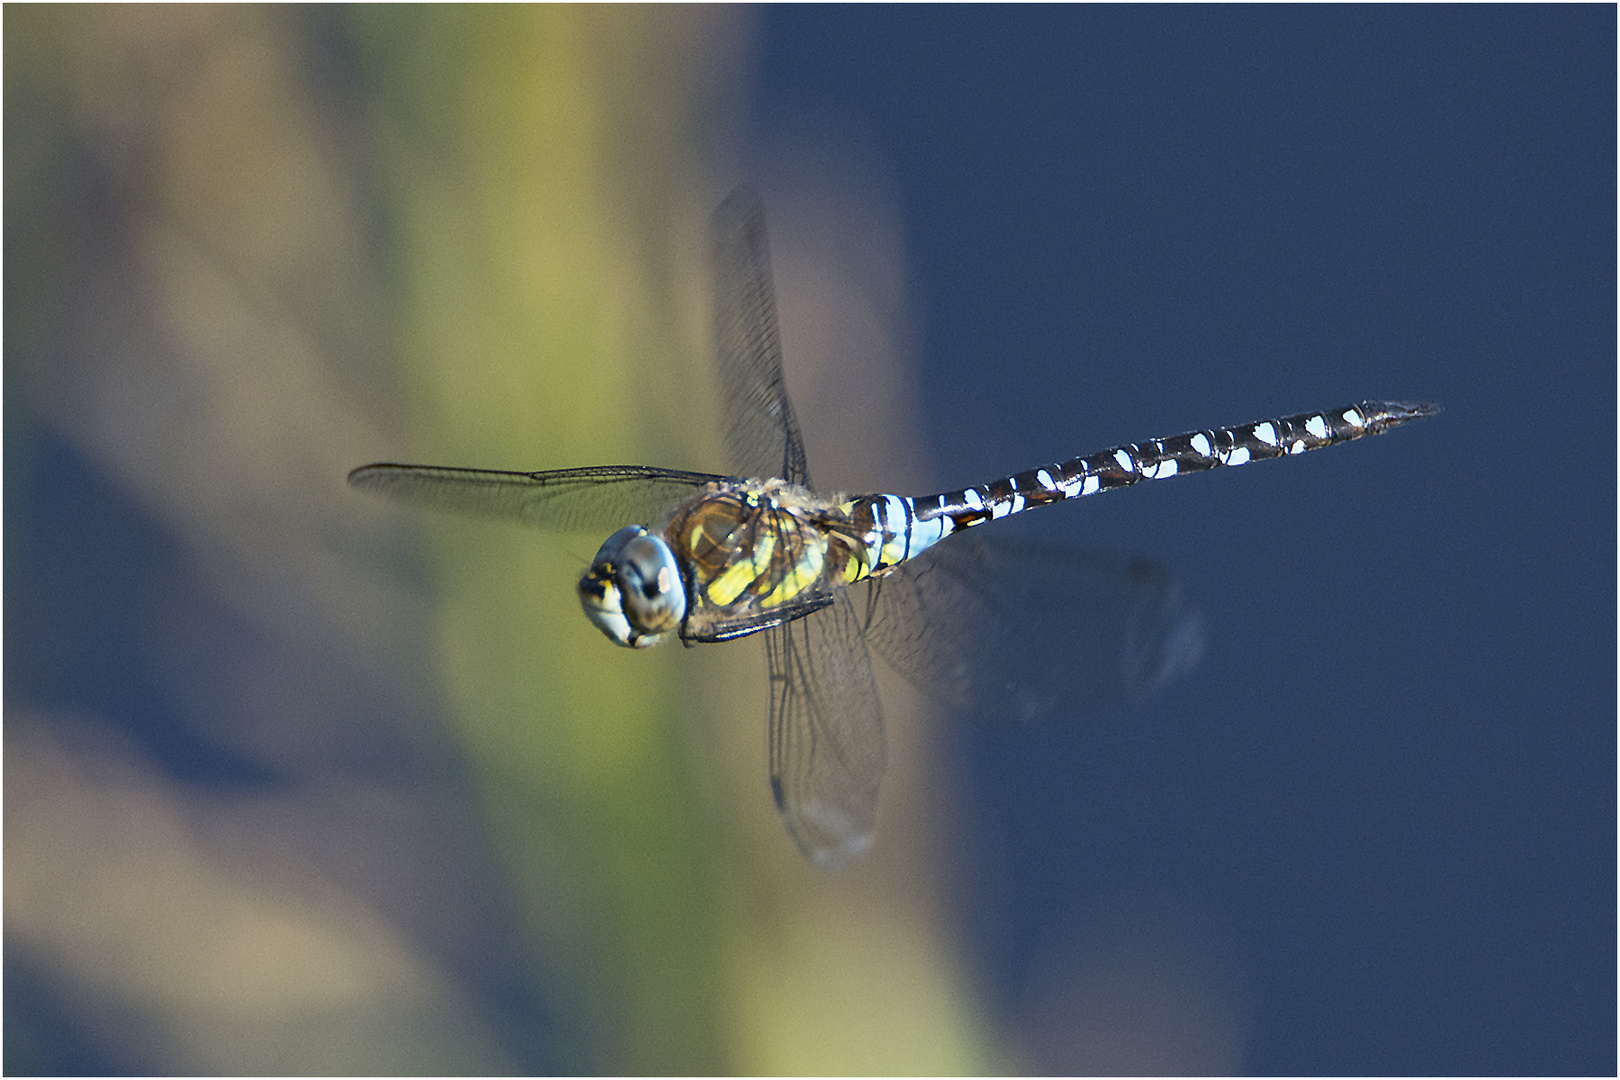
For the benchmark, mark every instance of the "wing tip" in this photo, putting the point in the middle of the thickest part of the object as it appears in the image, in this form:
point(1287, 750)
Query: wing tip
point(368, 475)
point(831, 839)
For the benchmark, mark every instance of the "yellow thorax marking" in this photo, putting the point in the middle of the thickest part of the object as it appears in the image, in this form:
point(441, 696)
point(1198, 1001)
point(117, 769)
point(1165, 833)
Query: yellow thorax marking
point(803, 574)
point(724, 589)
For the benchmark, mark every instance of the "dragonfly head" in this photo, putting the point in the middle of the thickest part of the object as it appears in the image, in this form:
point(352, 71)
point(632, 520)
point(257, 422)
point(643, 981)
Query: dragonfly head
point(633, 591)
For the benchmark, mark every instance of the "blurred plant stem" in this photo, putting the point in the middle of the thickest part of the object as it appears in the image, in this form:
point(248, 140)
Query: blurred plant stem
point(540, 172)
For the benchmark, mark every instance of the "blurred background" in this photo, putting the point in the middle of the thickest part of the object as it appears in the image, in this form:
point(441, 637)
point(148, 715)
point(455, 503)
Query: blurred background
point(297, 781)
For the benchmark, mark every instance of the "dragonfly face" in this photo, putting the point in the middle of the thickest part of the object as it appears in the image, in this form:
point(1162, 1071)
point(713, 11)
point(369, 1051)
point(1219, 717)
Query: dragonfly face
point(633, 591)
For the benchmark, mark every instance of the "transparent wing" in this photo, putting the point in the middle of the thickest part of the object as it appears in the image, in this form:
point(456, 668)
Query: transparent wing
point(826, 733)
point(599, 499)
point(762, 437)
point(826, 726)
point(1011, 628)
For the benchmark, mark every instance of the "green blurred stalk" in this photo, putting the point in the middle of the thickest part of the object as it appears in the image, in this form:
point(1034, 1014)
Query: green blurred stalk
point(540, 192)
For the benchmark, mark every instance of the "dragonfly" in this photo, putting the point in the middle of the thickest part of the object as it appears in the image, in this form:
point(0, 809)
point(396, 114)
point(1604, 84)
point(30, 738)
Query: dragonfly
point(986, 623)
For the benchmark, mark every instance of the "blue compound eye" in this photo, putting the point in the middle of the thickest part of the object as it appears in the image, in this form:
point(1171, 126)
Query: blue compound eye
point(633, 591)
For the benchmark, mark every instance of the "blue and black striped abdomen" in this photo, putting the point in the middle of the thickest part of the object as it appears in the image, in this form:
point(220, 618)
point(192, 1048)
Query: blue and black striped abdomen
point(1159, 459)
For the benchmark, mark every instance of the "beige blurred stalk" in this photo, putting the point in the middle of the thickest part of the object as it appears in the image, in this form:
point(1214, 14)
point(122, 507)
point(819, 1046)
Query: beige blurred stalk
point(254, 248)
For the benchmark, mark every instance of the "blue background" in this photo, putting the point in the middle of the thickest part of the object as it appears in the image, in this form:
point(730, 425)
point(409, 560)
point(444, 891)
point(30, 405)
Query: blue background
point(1390, 786)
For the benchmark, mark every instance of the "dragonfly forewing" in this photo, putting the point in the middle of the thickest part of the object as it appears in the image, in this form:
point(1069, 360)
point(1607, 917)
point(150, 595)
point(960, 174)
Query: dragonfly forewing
point(600, 499)
point(761, 435)
point(826, 724)
point(826, 733)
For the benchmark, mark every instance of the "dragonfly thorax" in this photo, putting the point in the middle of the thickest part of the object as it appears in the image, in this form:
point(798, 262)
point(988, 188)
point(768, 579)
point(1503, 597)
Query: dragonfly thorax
point(633, 591)
point(761, 552)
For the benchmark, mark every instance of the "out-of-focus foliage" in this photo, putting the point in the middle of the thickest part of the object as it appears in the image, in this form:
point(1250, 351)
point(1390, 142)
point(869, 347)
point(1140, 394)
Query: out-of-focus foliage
point(300, 782)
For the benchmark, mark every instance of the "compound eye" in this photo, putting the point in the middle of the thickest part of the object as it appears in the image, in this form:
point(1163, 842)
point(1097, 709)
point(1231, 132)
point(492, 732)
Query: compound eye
point(654, 599)
point(633, 591)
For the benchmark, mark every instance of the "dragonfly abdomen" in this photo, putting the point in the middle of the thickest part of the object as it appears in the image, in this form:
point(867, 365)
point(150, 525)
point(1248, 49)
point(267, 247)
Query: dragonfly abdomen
point(1160, 459)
